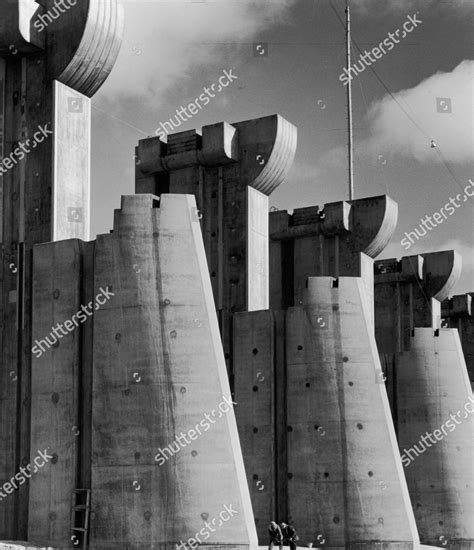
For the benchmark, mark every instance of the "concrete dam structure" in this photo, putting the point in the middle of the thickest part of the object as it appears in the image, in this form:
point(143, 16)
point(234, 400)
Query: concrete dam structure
point(208, 365)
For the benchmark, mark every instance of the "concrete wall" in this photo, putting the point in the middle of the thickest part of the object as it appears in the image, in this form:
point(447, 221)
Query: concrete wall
point(255, 394)
point(436, 437)
point(346, 484)
point(231, 169)
point(457, 313)
point(427, 381)
point(45, 192)
point(144, 368)
point(328, 241)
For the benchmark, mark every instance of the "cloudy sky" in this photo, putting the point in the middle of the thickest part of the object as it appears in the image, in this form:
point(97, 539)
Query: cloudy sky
point(420, 91)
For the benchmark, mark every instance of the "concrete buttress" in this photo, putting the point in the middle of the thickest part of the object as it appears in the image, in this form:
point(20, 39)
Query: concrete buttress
point(346, 482)
point(429, 388)
point(159, 467)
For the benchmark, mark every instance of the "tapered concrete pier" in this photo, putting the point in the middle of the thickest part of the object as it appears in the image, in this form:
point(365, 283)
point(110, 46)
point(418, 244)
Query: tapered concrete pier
point(155, 428)
point(429, 391)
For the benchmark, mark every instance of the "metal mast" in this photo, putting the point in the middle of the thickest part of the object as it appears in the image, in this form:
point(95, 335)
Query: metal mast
point(350, 144)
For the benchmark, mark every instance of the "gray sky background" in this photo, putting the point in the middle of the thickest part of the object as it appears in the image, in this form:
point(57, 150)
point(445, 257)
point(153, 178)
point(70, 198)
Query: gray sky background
point(172, 49)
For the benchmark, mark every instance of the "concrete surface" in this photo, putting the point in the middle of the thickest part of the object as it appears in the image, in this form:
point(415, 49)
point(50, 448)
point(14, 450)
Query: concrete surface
point(46, 197)
point(457, 312)
point(432, 392)
point(327, 242)
point(158, 369)
point(346, 482)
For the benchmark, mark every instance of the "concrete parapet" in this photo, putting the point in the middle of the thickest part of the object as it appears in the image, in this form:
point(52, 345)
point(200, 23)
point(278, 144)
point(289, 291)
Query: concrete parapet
point(327, 242)
point(231, 169)
point(408, 294)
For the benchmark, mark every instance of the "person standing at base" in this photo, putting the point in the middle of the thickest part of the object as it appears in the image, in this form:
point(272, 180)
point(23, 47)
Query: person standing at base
point(276, 536)
point(289, 534)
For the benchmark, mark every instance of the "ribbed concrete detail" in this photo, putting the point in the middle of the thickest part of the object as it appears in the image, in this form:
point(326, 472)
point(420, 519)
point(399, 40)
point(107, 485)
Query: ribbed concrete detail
point(434, 397)
point(276, 139)
point(98, 48)
point(342, 450)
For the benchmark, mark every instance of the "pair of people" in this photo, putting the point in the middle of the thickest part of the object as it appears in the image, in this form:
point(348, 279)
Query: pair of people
point(281, 533)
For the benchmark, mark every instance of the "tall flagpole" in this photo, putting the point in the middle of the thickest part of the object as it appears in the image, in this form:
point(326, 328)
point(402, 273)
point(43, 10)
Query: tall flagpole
point(350, 144)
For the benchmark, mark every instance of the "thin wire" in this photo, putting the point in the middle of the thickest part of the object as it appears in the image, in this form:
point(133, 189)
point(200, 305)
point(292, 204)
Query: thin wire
point(122, 121)
point(412, 118)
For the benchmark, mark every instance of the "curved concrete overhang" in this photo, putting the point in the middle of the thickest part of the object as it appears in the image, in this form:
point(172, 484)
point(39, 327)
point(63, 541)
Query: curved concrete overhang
point(80, 44)
point(97, 50)
point(372, 222)
point(435, 272)
point(441, 271)
point(264, 147)
point(367, 225)
point(267, 148)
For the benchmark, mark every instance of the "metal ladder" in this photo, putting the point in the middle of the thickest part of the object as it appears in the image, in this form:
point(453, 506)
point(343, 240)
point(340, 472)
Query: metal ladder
point(83, 508)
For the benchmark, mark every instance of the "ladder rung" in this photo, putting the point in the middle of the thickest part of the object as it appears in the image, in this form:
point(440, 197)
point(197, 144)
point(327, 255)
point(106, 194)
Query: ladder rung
point(81, 507)
point(79, 529)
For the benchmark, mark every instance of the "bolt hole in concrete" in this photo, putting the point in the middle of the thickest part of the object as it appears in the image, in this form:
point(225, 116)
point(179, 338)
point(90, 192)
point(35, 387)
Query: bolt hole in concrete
point(308, 384)
point(194, 453)
point(336, 519)
point(299, 348)
point(351, 383)
point(255, 430)
point(345, 359)
point(289, 429)
point(370, 474)
point(255, 388)
point(255, 477)
point(360, 426)
point(255, 351)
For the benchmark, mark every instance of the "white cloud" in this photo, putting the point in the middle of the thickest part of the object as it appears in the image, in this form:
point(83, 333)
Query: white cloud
point(167, 41)
point(398, 134)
